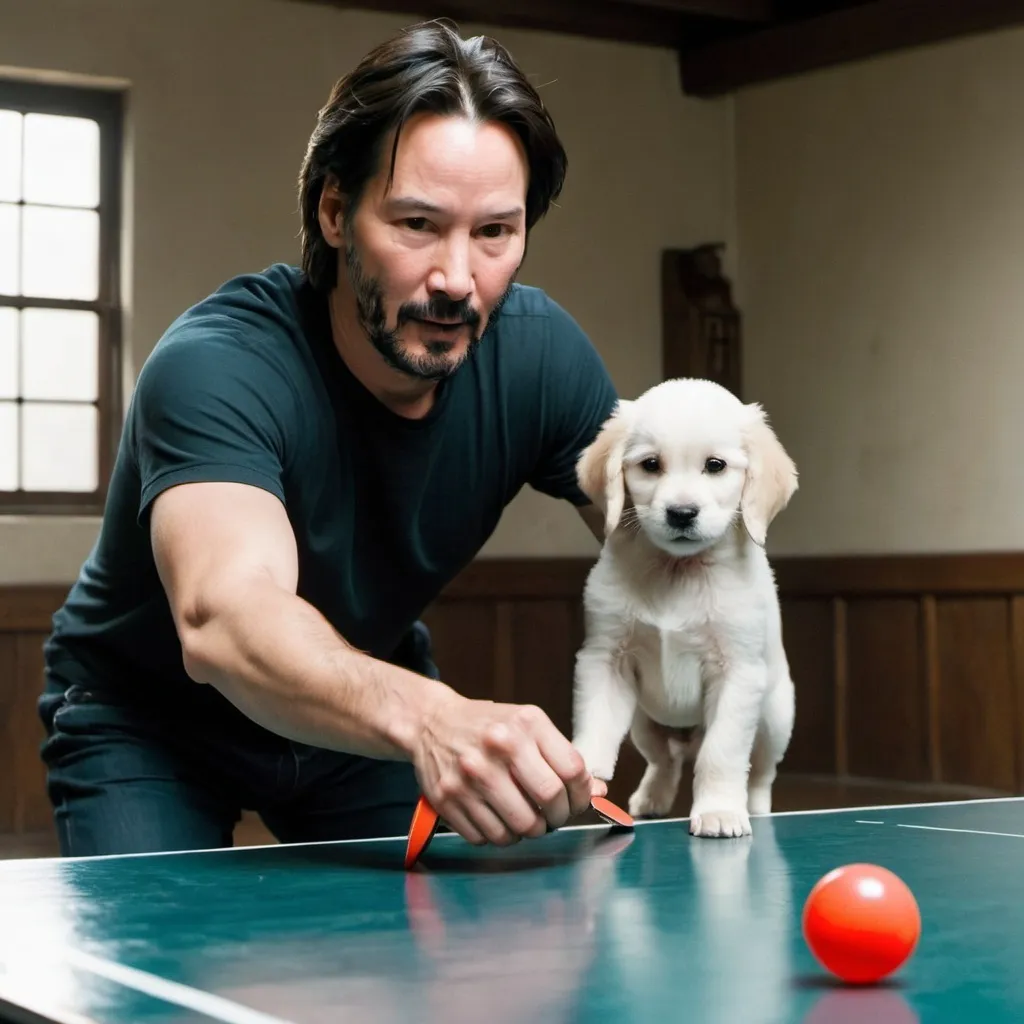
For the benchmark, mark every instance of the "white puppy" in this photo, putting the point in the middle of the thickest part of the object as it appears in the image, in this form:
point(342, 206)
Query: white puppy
point(683, 630)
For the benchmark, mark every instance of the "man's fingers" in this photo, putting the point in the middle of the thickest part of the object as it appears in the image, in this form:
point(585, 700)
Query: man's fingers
point(489, 823)
point(541, 784)
point(490, 779)
point(457, 820)
point(554, 749)
point(567, 763)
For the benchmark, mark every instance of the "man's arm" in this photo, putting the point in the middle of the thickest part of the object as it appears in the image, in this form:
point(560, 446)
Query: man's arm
point(227, 558)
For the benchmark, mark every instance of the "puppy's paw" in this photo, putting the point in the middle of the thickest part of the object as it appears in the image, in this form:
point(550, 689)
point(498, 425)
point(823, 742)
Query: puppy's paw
point(599, 757)
point(721, 824)
point(654, 796)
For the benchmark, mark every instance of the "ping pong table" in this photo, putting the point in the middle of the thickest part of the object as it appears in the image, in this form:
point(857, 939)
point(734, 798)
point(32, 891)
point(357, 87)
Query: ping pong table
point(587, 924)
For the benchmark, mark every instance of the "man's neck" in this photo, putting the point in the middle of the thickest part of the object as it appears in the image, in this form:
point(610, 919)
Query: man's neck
point(403, 395)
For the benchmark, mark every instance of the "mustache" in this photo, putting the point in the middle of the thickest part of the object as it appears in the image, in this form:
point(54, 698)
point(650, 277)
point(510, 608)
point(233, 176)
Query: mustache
point(440, 307)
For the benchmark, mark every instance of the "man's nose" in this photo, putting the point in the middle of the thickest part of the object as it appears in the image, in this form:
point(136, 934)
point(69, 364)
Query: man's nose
point(453, 275)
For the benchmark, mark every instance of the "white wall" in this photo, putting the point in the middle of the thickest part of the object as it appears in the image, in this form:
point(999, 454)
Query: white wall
point(880, 214)
point(223, 98)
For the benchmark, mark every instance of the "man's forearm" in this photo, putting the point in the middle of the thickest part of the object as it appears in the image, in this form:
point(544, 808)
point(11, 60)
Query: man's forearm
point(281, 663)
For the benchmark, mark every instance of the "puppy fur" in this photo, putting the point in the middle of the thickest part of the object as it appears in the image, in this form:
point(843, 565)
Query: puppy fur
point(683, 646)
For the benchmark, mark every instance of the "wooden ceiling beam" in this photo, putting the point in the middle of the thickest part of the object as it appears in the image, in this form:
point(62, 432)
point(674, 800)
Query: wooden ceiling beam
point(725, 10)
point(662, 23)
point(853, 34)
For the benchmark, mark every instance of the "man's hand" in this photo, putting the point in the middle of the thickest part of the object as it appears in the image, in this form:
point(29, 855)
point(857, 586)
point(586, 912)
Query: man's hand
point(499, 772)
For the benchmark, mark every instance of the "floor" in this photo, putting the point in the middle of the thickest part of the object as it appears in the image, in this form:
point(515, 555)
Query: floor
point(792, 793)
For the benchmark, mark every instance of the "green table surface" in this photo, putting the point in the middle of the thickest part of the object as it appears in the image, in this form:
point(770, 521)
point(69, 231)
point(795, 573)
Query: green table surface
point(587, 925)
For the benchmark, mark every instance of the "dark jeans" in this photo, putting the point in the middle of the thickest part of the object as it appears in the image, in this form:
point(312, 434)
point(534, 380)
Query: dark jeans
point(127, 775)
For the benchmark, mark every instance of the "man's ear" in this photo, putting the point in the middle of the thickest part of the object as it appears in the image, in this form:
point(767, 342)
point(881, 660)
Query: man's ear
point(599, 467)
point(330, 213)
point(771, 476)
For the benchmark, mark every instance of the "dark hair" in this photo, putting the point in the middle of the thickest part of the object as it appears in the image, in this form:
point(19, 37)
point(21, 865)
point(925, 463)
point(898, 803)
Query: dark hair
point(427, 67)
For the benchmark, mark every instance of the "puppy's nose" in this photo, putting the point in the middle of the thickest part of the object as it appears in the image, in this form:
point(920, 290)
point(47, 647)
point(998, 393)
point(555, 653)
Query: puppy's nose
point(679, 517)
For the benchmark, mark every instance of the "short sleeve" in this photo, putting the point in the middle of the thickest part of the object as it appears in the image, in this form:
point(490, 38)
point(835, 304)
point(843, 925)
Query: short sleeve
point(578, 396)
point(209, 407)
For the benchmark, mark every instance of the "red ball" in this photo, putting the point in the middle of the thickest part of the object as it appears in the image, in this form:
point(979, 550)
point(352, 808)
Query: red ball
point(861, 922)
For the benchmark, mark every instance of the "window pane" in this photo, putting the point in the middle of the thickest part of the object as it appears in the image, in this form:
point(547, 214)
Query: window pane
point(8, 352)
point(61, 253)
point(59, 354)
point(59, 447)
point(10, 247)
point(62, 160)
point(10, 155)
point(8, 446)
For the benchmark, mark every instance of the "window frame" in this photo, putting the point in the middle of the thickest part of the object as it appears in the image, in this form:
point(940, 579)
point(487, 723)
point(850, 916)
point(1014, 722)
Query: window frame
point(106, 106)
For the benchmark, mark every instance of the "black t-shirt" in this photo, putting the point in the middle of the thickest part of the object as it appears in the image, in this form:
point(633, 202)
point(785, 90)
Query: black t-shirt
point(247, 386)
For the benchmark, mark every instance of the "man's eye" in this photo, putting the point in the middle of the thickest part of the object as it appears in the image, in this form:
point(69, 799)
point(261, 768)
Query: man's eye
point(416, 223)
point(494, 230)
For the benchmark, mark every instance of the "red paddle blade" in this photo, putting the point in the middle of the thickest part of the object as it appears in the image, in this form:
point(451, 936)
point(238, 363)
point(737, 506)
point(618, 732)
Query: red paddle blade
point(424, 824)
point(608, 811)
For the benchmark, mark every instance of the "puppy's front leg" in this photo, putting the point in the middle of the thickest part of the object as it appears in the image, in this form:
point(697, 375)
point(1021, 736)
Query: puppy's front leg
point(732, 707)
point(604, 701)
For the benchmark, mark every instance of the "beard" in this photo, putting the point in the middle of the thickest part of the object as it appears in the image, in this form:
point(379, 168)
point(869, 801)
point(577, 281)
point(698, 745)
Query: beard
point(438, 361)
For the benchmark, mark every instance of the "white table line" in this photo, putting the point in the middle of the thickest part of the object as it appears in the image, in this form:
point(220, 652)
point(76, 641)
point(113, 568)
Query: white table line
point(861, 821)
point(971, 831)
point(171, 991)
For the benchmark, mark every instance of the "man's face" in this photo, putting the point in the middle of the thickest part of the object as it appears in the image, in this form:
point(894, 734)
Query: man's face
point(433, 257)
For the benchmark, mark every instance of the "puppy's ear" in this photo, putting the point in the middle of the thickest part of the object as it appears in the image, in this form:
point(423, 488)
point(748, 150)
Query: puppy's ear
point(771, 476)
point(599, 467)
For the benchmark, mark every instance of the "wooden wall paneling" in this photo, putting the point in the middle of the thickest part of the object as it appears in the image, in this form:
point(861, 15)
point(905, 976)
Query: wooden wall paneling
point(978, 733)
point(464, 635)
point(24, 806)
point(932, 674)
point(10, 725)
point(1016, 611)
point(545, 635)
point(907, 668)
point(504, 684)
point(808, 633)
point(841, 674)
point(33, 811)
point(936, 643)
point(886, 724)
point(968, 574)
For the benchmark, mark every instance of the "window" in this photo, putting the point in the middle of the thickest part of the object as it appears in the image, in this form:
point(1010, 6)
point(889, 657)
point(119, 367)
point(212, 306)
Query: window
point(60, 303)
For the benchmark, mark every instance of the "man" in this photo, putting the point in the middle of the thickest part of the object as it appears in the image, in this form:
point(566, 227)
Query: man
point(310, 455)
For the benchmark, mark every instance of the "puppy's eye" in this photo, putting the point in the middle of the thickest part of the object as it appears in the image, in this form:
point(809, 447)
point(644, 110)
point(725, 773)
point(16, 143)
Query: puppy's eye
point(650, 465)
point(714, 465)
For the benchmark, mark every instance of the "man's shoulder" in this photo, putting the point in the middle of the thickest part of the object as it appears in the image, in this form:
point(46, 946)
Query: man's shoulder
point(253, 323)
point(525, 300)
point(526, 303)
point(262, 302)
point(532, 325)
point(241, 346)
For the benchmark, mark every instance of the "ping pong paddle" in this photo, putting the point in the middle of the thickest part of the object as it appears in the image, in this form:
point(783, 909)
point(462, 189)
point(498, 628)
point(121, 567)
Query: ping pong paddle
point(610, 812)
point(425, 822)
